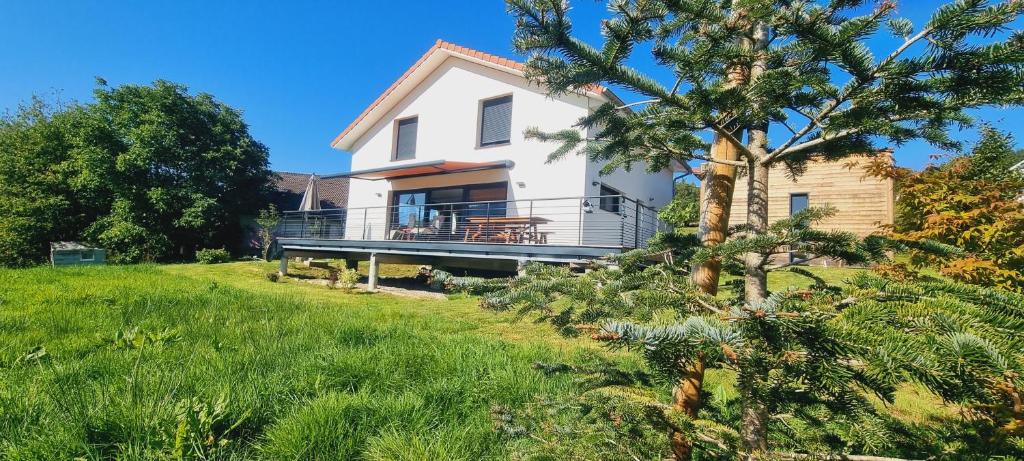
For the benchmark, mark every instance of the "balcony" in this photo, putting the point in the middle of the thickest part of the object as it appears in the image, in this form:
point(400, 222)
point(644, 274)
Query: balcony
point(572, 229)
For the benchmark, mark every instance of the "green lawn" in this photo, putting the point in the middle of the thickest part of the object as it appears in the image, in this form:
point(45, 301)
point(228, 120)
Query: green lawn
point(146, 362)
point(217, 362)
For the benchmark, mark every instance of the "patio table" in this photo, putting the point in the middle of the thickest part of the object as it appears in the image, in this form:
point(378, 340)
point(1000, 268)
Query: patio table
point(511, 229)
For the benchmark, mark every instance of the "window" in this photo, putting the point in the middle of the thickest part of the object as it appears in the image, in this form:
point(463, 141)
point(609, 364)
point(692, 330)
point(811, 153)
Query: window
point(413, 208)
point(496, 121)
point(87, 255)
point(798, 203)
point(611, 199)
point(405, 138)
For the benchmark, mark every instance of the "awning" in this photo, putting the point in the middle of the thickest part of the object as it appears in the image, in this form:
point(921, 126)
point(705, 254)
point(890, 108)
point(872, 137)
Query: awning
point(432, 167)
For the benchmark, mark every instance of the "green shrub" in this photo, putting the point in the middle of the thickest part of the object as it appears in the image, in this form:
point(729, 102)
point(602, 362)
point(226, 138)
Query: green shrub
point(347, 279)
point(213, 256)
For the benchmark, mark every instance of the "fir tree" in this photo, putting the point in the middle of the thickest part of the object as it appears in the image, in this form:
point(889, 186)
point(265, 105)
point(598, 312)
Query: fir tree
point(799, 68)
point(744, 67)
point(813, 358)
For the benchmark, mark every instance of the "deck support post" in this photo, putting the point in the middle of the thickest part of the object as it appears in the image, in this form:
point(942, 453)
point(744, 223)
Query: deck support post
point(371, 283)
point(521, 267)
point(282, 267)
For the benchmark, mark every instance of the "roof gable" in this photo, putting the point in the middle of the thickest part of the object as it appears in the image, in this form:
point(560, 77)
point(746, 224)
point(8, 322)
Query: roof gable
point(419, 72)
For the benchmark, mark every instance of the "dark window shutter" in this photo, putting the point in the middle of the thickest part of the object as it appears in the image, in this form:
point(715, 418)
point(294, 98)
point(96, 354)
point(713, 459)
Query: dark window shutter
point(496, 121)
point(405, 145)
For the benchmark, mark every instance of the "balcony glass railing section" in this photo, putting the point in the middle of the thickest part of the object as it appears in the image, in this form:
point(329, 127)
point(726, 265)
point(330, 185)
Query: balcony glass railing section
point(607, 221)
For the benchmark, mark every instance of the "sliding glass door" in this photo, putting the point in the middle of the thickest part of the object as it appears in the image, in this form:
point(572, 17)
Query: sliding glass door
point(440, 213)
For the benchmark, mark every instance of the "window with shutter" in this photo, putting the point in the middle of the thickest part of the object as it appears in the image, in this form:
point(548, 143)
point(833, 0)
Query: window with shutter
point(496, 121)
point(405, 138)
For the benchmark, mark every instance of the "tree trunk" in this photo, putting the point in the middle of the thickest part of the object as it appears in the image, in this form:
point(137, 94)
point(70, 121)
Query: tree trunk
point(755, 428)
point(755, 287)
point(755, 413)
point(686, 398)
point(719, 179)
point(716, 202)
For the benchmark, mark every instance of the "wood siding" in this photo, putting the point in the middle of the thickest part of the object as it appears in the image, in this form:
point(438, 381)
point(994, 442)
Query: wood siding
point(863, 203)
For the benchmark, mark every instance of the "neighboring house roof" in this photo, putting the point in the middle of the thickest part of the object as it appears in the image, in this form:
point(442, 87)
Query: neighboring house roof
point(57, 246)
point(419, 71)
point(1018, 166)
point(290, 187)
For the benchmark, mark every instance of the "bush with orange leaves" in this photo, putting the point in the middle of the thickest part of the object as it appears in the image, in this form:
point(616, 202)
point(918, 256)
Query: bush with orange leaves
point(973, 202)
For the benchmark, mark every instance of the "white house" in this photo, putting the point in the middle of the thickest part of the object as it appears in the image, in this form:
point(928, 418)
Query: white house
point(440, 163)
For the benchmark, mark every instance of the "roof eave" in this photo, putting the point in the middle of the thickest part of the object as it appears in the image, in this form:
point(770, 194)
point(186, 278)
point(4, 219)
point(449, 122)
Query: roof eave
point(427, 63)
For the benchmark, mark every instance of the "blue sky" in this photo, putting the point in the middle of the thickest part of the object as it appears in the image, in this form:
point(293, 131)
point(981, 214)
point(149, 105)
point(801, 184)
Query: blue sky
point(300, 71)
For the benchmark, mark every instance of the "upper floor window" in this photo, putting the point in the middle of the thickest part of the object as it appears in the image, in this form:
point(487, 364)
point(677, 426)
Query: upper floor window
point(496, 121)
point(405, 138)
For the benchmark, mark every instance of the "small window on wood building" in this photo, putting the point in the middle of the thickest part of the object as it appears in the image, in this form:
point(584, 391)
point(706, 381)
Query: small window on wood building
point(798, 203)
point(496, 121)
point(405, 138)
point(611, 199)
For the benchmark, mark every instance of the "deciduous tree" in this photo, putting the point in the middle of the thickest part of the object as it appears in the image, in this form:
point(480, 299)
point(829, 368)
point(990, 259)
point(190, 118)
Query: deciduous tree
point(150, 172)
point(684, 209)
point(972, 202)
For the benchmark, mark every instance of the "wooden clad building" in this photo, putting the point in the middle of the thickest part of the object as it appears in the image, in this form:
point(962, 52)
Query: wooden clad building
point(863, 202)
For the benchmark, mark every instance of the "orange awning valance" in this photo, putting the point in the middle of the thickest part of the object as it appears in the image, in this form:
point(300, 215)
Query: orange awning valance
point(432, 167)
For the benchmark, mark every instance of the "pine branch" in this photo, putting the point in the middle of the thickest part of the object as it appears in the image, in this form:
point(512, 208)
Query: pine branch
point(830, 457)
point(819, 118)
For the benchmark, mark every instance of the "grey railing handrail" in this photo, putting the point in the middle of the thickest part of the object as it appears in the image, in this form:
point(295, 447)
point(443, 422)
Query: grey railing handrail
point(584, 197)
point(562, 218)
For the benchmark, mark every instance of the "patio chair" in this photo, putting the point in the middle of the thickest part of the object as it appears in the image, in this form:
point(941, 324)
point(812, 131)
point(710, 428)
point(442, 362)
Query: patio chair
point(433, 228)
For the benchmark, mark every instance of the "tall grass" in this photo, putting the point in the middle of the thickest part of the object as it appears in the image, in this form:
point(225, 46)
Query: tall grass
point(215, 362)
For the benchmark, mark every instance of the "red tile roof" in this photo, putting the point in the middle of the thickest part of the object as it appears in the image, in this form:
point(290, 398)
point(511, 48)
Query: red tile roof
point(441, 44)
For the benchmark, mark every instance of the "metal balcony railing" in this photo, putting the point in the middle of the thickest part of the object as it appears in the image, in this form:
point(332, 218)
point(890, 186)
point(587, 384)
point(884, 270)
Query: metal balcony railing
point(613, 221)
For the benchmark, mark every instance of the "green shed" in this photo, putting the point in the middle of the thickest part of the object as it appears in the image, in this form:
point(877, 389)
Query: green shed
point(68, 253)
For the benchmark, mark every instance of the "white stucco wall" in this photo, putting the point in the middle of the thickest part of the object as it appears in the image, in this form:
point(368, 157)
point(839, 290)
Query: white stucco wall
point(653, 190)
point(447, 105)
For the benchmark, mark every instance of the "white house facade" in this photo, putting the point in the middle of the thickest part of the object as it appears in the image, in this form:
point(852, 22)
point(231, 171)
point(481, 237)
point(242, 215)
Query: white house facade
point(441, 157)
